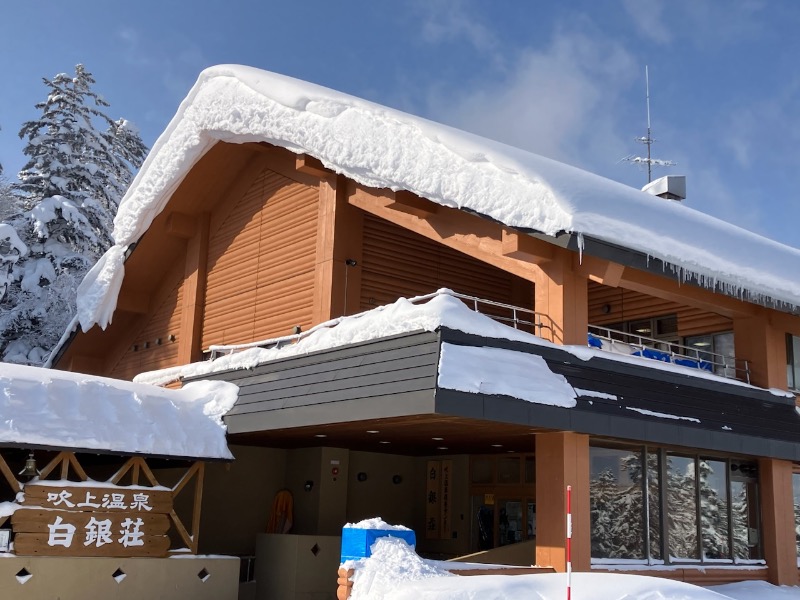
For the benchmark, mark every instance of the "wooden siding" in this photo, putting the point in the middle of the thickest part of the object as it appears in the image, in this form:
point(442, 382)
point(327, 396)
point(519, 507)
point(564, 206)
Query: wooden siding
point(627, 305)
point(149, 354)
point(391, 367)
point(400, 263)
point(261, 263)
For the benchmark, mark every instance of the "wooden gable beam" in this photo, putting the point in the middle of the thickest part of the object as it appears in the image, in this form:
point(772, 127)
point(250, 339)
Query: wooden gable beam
point(413, 205)
point(524, 247)
point(311, 166)
point(686, 294)
point(600, 271)
point(467, 233)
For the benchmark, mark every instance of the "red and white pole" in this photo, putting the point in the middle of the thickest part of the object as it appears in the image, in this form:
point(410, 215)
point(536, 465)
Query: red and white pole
point(569, 542)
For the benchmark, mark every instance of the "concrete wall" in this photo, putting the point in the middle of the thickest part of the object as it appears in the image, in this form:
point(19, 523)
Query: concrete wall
point(237, 498)
point(378, 496)
point(296, 567)
point(191, 578)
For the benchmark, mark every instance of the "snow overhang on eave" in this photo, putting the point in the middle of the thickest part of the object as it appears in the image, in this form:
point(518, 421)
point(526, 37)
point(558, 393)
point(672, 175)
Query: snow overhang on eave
point(587, 245)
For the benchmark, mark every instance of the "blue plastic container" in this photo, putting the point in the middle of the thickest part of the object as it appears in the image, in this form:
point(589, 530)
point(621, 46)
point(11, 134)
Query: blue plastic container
point(357, 543)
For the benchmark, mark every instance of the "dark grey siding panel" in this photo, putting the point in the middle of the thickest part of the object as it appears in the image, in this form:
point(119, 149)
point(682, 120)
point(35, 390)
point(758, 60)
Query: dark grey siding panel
point(650, 405)
point(295, 389)
point(377, 407)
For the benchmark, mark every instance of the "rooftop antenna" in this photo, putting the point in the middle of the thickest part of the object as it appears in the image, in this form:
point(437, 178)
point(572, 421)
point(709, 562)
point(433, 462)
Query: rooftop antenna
point(648, 140)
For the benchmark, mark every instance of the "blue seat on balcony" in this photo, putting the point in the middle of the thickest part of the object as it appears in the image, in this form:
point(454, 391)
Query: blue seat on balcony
point(653, 354)
point(595, 342)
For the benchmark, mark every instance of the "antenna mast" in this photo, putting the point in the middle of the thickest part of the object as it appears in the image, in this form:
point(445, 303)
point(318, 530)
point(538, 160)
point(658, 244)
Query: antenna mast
point(648, 139)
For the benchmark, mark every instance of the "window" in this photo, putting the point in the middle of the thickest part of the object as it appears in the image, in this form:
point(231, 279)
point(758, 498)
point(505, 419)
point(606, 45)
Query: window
point(796, 495)
point(716, 348)
point(793, 361)
point(710, 507)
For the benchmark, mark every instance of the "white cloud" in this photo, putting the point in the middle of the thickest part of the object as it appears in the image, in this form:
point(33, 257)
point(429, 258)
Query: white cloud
point(648, 17)
point(448, 20)
point(561, 101)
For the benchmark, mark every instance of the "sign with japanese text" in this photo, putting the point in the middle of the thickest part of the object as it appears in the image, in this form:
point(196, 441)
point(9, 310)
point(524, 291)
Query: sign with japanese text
point(433, 500)
point(92, 521)
point(447, 498)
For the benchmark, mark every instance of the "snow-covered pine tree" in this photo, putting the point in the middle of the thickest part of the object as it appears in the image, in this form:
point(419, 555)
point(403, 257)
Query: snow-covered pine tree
point(79, 164)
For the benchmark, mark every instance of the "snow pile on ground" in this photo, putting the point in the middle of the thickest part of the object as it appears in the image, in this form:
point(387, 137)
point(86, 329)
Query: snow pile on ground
point(385, 148)
point(395, 572)
point(392, 563)
point(43, 407)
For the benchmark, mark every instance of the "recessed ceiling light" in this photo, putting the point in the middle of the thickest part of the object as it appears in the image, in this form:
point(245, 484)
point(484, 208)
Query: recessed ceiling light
point(372, 431)
point(384, 442)
point(320, 435)
point(510, 451)
point(497, 445)
point(437, 439)
point(441, 448)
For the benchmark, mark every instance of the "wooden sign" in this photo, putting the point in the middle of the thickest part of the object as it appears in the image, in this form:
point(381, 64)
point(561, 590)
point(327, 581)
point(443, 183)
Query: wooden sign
point(447, 499)
point(73, 520)
point(432, 500)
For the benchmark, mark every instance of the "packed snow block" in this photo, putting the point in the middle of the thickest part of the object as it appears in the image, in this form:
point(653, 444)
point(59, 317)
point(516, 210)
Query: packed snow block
point(357, 543)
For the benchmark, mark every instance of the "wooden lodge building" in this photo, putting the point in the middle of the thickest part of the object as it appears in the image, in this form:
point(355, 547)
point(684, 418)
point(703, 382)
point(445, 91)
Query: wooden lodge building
point(270, 206)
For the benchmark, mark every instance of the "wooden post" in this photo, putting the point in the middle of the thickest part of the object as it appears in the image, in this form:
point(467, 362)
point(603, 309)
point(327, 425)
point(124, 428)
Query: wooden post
point(194, 288)
point(764, 348)
point(338, 255)
point(562, 294)
point(777, 520)
point(562, 459)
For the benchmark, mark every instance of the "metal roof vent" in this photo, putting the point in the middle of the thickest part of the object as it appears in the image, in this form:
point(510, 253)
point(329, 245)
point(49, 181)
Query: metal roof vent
point(672, 187)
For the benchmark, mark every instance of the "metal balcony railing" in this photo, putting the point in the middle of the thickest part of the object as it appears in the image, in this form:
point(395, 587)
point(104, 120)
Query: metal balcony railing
point(621, 342)
point(541, 325)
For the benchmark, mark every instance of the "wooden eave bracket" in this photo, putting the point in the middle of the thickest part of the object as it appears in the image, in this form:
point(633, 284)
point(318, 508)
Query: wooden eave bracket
point(601, 271)
point(311, 166)
point(412, 204)
point(524, 247)
point(181, 225)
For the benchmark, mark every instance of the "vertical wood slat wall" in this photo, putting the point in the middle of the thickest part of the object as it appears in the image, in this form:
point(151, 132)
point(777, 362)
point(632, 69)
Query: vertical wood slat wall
point(627, 305)
point(165, 321)
point(399, 263)
point(261, 263)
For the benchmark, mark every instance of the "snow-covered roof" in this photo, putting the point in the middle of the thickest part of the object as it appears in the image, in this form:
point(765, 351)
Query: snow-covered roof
point(59, 409)
point(385, 148)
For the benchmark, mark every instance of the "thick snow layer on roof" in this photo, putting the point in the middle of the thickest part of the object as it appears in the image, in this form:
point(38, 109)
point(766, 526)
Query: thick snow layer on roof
point(385, 148)
point(497, 371)
point(43, 407)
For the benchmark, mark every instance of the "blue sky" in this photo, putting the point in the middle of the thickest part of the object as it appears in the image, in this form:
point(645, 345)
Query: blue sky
point(563, 79)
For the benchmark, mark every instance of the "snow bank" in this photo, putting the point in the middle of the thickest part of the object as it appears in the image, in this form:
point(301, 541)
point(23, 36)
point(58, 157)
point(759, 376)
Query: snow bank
point(376, 523)
point(385, 148)
point(43, 407)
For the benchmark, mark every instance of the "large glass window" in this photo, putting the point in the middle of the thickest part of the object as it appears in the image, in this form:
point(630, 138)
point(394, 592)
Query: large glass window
point(793, 361)
point(716, 348)
point(673, 507)
point(617, 507)
point(796, 490)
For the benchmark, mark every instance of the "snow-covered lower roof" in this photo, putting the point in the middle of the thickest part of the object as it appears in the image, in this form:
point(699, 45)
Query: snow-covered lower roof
point(385, 148)
point(59, 409)
point(482, 370)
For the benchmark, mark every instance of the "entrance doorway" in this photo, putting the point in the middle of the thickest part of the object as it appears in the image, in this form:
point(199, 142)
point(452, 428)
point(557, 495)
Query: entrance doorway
point(503, 500)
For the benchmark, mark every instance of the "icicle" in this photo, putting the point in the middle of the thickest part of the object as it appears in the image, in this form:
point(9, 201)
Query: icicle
point(580, 248)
